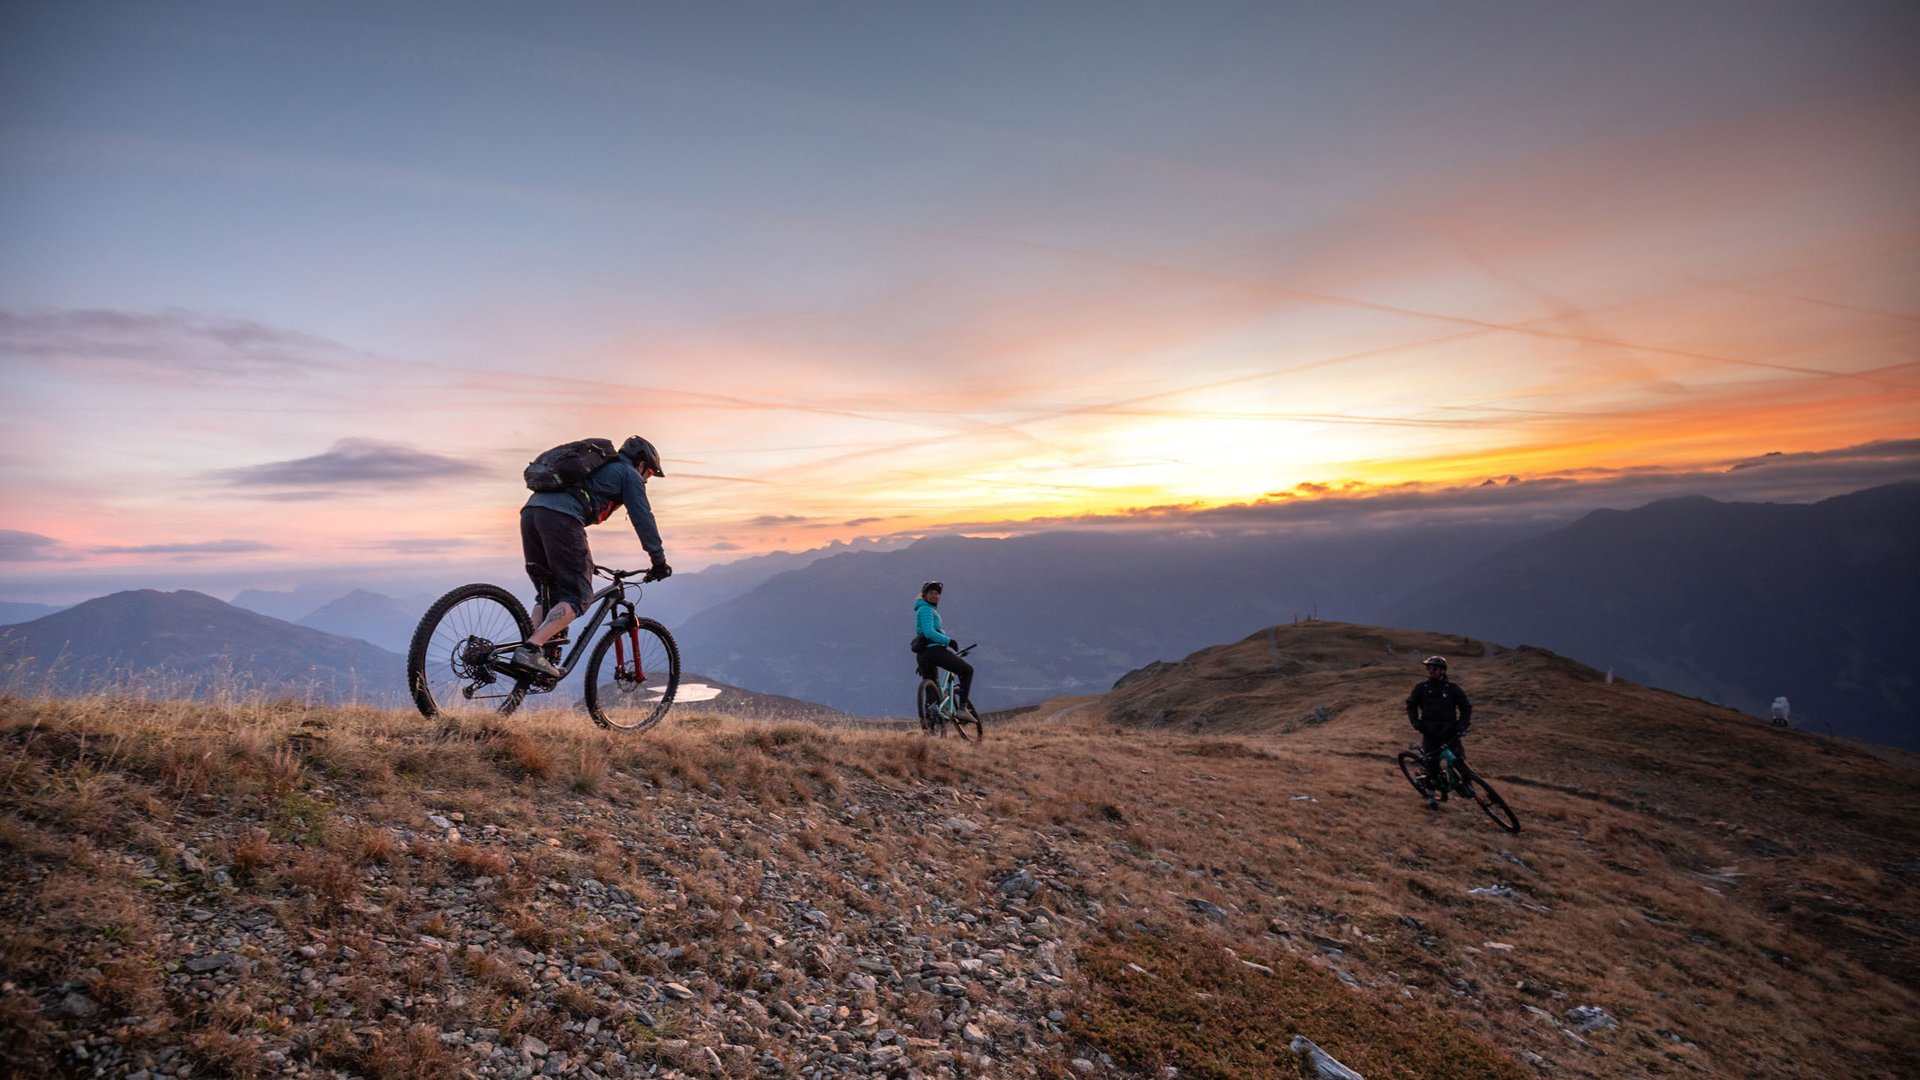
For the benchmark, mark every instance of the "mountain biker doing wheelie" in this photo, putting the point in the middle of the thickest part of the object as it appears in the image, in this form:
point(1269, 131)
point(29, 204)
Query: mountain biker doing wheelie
point(935, 648)
point(553, 538)
point(1440, 711)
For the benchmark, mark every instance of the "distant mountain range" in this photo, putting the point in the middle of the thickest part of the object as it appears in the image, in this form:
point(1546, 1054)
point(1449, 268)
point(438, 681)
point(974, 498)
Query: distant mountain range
point(1057, 613)
point(389, 621)
point(371, 617)
point(290, 605)
point(188, 644)
point(11, 612)
point(682, 596)
point(1733, 602)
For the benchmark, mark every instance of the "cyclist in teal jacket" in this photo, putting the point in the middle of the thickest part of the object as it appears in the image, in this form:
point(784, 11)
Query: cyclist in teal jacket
point(934, 647)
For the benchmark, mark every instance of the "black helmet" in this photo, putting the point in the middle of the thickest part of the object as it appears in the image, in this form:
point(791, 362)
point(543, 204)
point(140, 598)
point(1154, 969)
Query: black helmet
point(929, 586)
point(1437, 661)
point(641, 452)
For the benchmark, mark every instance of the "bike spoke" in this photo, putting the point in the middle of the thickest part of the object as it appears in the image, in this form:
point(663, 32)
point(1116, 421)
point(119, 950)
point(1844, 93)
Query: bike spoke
point(450, 660)
point(633, 676)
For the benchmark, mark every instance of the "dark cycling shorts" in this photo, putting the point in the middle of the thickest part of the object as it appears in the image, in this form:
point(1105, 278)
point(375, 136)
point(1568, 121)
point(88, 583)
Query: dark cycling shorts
point(555, 546)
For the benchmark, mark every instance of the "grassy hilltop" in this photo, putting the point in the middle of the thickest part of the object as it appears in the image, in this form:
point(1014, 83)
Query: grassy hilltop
point(1179, 875)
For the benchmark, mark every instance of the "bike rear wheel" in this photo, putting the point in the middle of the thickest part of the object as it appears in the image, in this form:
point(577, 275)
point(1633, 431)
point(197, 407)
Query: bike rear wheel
point(926, 703)
point(1490, 801)
point(632, 677)
point(449, 662)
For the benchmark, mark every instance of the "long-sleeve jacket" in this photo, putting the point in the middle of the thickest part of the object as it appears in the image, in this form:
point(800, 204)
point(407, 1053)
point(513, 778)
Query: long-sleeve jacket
point(615, 484)
point(926, 623)
point(1436, 705)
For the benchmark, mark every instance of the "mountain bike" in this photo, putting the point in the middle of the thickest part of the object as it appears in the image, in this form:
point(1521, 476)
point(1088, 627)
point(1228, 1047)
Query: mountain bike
point(938, 704)
point(1457, 776)
point(461, 659)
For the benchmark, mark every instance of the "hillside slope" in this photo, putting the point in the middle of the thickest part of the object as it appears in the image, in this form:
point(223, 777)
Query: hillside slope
point(1734, 602)
point(185, 643)
point(253, 889)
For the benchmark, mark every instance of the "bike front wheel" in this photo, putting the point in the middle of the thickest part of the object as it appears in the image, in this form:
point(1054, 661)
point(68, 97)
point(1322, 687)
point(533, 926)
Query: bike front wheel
point(1490, 801)
point(964, 715)
point(1414, 768)
point(450, 661)
point(632, 677)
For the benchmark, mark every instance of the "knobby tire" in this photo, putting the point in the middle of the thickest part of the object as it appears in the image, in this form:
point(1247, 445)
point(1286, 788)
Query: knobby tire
point(927, 706)
point(618, 704)
point(1490, 801)
point(1413, 768)
point(435, 656)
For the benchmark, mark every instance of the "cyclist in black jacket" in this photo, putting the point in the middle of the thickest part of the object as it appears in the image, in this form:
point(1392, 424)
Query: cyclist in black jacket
point(1440, 711)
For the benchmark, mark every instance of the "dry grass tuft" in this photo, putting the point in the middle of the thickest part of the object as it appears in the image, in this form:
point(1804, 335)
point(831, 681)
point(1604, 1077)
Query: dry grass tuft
point(523, 756)
point(472, 860)
point(412, 1053)
point(374, 844)
point(251, 854)
point(1177, 998)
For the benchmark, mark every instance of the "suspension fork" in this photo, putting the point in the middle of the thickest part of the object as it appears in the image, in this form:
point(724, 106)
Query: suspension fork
point(629, 637)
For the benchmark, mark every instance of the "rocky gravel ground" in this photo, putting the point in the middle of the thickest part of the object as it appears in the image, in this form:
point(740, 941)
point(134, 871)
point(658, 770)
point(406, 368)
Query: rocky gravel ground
point(640, 930)
point(325, 893)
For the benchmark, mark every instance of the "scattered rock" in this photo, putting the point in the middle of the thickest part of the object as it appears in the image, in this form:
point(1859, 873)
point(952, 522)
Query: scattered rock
point(1205, 907)
point(1322, 1064)
point(1018, 883)
point(1591, 1018)
point(200, 965)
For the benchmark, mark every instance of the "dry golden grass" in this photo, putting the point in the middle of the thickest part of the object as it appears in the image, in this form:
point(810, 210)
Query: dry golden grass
point(1741, 898)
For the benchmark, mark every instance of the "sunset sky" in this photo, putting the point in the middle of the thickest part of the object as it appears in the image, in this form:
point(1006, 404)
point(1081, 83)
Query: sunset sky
point(294, 290)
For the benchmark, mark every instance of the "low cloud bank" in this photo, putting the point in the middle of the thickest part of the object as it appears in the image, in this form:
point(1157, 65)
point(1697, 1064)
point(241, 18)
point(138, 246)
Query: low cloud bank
point(350, 463)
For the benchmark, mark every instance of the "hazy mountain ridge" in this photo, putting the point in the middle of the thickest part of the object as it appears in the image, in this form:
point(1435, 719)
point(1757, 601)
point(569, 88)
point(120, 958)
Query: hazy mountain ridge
point(685, 595)
point(1733, 602)
point(289, 605)
point(12, 612)
point(1055, 613)
point(186, 644)
point(372, 617)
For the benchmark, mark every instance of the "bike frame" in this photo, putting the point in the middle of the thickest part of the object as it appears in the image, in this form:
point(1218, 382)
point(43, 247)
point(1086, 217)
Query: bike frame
point(945, 684)
point(613, 598)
